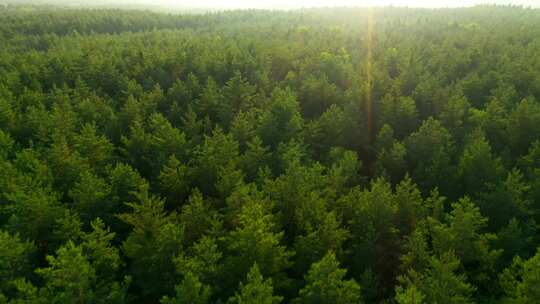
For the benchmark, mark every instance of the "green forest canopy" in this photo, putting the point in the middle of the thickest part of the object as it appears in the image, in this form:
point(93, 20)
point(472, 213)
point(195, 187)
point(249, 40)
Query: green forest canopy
point(312, 156)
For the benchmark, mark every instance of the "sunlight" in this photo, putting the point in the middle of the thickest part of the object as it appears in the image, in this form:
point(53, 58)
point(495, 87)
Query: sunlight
point(334, 3)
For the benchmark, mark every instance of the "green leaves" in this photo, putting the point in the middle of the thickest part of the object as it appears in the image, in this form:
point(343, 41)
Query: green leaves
point(255, 290)
point(461, 236)
point(149, 147)
point(326, 283)
point(69, 276)
point(189, 291)
point(91, 197)
point(215, 161)
point(521, 281)
point(174, 180)
point(411, 295)
point(15, 258)
point(255, 240)
point(430, 152)
point(97, 245)
point(154, 240)
point(282, 122)
point(82, 274)
point(96, 148)
point(400, 113)
point(438, 283)
point(477, 166)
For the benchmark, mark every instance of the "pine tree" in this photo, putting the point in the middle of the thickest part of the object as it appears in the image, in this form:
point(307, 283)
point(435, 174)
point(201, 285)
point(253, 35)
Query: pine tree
point(156, 238)
point(521, 281)
point(438, 282)
point(189, 291)
point(255, 290)
point(326, 284)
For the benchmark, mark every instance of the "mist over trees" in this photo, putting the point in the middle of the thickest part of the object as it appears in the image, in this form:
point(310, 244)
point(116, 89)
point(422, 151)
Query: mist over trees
point(313, 156)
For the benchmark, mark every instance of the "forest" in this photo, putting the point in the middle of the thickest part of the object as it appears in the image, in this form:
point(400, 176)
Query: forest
point(345, 155)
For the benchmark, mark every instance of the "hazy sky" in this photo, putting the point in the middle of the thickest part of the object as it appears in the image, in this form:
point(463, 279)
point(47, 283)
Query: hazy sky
point(313, 3)
point(224, 4)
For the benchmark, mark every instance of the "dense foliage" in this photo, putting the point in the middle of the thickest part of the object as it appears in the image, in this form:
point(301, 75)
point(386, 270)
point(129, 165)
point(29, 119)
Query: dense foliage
point(314, 156)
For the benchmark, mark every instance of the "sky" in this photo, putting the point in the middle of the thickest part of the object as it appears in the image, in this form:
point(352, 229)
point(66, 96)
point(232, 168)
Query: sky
point(286, 4)
point(319, 3)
